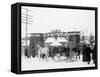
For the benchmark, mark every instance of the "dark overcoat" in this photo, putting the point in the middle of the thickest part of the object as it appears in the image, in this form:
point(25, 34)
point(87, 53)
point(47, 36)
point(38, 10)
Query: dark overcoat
point(86, 54)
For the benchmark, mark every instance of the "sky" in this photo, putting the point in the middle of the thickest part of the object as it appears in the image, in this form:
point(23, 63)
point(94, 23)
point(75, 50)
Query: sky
point(46, 19)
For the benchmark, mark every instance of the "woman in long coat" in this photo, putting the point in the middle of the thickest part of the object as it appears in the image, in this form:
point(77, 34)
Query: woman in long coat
point(86, 54)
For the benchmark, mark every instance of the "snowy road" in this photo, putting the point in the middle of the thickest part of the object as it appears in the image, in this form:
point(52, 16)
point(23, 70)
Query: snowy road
point(35, 64)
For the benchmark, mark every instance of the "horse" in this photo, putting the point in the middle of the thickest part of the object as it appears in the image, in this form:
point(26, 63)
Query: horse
point(43, 53)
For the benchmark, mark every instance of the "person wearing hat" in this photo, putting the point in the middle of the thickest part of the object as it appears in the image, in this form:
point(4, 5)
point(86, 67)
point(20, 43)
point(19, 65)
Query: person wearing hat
point(87, 53)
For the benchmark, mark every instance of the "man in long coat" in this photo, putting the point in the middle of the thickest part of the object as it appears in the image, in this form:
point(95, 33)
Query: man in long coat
point(87, 54)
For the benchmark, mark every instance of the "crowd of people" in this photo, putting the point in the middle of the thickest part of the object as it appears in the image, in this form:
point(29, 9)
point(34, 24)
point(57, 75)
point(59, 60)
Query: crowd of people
point(87, 51)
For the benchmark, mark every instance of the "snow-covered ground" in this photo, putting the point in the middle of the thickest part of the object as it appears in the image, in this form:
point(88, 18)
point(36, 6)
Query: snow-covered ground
point(35, 64)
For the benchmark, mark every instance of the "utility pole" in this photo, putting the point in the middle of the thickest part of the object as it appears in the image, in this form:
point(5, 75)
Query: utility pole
point(27, 20)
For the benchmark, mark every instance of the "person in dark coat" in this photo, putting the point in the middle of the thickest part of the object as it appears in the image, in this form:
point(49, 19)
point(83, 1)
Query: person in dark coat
point(67, 52)
point(63, 50)
point(78, 52)
point(94, 55)
point(55, 51)
point(26, 53)
point(86, 54)
point(33, 51)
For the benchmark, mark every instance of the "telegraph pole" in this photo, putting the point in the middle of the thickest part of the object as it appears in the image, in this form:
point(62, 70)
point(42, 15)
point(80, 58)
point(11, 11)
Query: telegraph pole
point(27, 20)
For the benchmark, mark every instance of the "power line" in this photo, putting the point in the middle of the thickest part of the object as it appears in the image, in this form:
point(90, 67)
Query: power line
point(27, 20)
